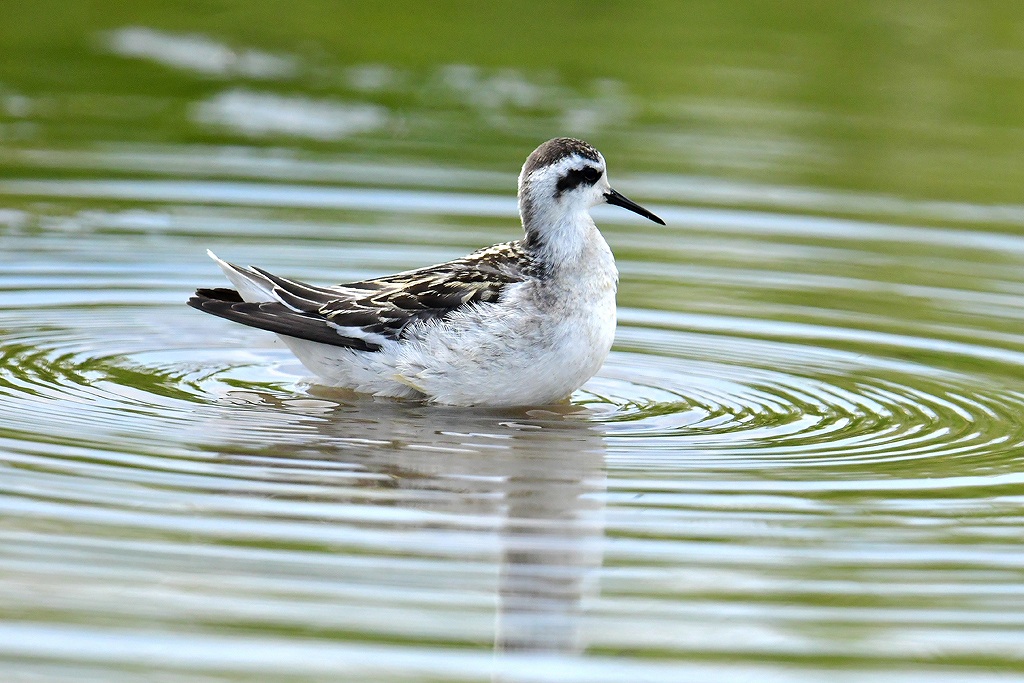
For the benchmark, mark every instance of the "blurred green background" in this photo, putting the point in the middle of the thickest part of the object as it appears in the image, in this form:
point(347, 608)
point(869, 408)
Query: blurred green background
point(904, 97)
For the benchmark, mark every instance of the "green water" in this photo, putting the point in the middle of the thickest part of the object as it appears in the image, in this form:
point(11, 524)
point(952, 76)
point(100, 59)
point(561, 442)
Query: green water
point(801, 461)
point(909, 98)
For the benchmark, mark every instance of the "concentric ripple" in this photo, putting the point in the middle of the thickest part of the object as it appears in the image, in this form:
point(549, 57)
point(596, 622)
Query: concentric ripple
point(785, 403)
point(731, 400)
point(789, 456)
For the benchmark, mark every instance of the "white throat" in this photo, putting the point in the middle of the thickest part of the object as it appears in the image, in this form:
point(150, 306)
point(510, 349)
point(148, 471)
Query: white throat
point(561, 239)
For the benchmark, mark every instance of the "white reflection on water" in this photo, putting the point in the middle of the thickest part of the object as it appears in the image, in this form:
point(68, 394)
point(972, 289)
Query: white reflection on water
point(501, 98)
point(527, 491)
point(465, 204)
point(255, 163)
point(198, 53)
point(258, 114)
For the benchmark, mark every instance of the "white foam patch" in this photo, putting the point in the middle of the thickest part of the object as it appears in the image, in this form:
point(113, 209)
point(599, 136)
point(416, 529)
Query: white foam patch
point(373, 78)
point(259, 114)
point(198, 53)
point(499, 93)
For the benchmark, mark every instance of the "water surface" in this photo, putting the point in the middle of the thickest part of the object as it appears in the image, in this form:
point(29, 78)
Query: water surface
point(801, 461)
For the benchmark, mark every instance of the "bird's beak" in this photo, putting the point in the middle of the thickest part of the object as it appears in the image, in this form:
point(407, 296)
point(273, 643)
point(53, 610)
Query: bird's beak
point(613, 197)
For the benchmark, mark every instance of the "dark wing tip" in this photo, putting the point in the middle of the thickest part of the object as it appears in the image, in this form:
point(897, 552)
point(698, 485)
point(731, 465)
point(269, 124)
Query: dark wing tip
point(210, 300)
point(219, 294)
point(273, 317)
point(214, 301)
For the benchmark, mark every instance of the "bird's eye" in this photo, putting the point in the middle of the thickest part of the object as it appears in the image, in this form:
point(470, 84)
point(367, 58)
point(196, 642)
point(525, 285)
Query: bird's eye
point(591, 174)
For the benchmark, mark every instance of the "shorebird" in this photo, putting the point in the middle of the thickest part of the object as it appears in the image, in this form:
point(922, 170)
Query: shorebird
point(515, 324)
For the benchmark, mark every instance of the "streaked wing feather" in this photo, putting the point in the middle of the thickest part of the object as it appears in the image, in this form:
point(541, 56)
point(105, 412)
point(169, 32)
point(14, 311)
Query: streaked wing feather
point(296, 289)
point(396, 301)
point(363, 315)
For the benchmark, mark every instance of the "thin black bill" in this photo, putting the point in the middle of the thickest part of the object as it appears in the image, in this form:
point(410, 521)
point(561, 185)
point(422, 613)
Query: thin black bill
point(613, 197)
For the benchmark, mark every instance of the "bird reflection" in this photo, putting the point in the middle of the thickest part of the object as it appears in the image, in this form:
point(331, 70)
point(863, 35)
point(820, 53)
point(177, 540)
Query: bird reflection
point(532, 480)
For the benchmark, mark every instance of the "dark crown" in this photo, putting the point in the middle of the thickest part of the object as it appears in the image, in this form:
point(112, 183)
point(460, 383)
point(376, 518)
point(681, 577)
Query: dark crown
point(557, 149)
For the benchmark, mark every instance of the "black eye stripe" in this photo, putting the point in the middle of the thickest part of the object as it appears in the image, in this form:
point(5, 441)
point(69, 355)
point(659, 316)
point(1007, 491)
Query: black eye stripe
point(588, 175)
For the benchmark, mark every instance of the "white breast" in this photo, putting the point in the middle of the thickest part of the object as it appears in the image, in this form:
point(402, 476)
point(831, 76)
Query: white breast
point(541, 342)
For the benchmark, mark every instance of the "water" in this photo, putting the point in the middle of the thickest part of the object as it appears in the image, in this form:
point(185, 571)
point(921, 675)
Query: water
point(801, 461)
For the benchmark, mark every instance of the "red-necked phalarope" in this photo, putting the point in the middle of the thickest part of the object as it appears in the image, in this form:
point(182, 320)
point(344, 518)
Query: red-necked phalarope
point(515, 324)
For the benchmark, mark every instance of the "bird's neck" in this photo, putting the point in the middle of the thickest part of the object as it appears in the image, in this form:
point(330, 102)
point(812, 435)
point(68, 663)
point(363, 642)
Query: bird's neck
point(568, 243)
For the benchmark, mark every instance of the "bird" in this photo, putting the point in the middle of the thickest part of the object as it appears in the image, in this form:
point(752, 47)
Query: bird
point(517, 324)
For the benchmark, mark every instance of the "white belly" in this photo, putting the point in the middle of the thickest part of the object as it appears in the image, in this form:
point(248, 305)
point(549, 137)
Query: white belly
point(540, 343)
point(509, 359)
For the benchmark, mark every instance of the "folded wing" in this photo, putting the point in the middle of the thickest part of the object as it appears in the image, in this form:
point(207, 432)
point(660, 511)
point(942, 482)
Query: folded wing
point(363, 315)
